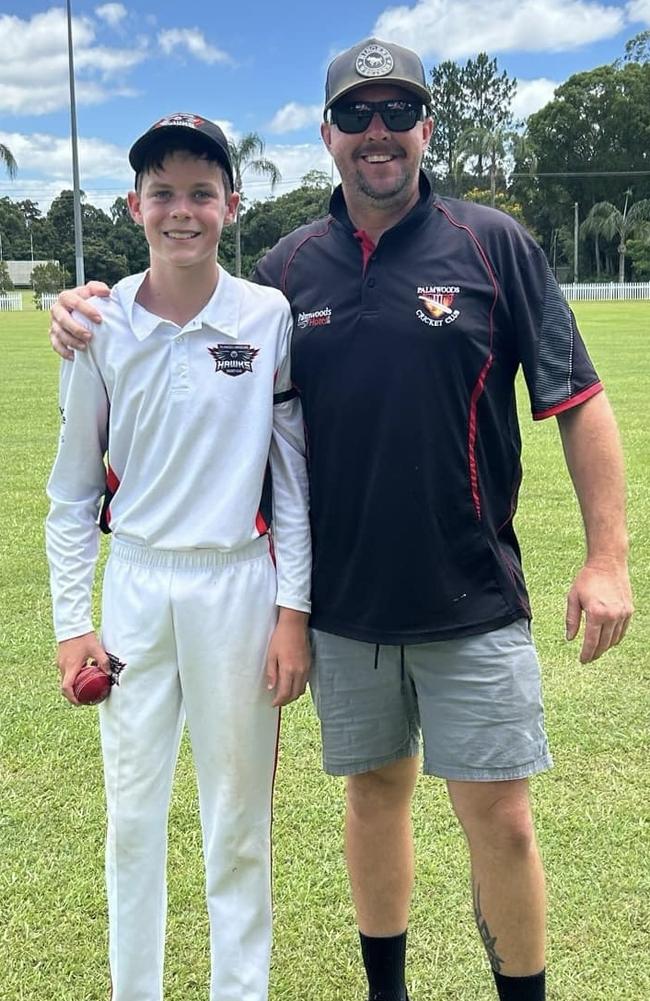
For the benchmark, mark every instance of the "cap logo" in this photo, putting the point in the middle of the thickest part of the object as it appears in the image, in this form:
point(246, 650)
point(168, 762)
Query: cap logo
point(191, 121)
point(373, 61)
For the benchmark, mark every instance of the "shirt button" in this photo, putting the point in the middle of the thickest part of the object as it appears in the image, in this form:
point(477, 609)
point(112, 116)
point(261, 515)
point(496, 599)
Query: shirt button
point(371, 283)
point(180, 339)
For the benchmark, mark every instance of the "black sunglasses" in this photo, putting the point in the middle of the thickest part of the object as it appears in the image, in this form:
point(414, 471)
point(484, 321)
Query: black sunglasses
point(397, 115)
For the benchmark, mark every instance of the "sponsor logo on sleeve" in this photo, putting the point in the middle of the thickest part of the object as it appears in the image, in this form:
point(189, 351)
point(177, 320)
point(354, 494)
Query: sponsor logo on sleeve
point(317, 318)
point(233, 359)
point(437, 307)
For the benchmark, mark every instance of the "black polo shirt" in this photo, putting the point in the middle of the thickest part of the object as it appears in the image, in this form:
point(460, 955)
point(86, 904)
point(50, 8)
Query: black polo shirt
point(405, 356)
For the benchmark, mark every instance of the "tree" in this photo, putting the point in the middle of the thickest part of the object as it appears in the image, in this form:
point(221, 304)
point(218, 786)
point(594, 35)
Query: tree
point(608, 221)
point(449, 109)
point(48, 277)
point(248, 154)
point(463, 98)
point(489, 97)
point(6, 284)
point(7, 158)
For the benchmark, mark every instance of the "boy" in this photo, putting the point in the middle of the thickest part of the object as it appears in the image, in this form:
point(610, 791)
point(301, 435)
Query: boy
point(186, 392)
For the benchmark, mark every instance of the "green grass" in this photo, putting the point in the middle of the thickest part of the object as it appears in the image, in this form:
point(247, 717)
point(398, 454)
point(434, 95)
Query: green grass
point(592, 809)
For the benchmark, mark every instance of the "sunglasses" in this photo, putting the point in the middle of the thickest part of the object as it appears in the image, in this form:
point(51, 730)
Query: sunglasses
point(397, 115)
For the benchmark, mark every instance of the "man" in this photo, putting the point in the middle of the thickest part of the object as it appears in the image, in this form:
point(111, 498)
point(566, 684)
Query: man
point(412, 315)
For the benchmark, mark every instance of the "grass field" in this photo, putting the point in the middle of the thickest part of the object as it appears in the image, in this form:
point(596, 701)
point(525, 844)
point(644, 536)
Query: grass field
point(592, 810)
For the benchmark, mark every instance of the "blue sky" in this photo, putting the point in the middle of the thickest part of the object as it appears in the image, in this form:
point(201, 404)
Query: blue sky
point(253, 66)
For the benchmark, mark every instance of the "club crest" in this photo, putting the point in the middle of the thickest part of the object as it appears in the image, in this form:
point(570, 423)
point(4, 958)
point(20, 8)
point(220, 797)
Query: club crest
point(233, 359)
point(438, 303)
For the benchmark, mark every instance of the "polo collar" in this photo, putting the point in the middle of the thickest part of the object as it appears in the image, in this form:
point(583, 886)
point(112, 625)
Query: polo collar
point(221, 312)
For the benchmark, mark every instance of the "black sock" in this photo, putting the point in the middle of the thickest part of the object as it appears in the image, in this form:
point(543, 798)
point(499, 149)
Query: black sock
point(521, 988)
point(385, 961)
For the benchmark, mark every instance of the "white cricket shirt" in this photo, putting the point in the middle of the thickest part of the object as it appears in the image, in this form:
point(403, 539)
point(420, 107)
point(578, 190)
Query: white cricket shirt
point(179, 425)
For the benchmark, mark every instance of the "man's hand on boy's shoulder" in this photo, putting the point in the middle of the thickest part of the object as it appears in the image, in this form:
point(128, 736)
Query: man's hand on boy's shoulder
point(289, 657)
point(73, 654)
point(66, 335)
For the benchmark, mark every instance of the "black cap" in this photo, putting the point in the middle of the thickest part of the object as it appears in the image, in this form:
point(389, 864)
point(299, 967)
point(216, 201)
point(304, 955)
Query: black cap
point(181, 123)
point(374, 61)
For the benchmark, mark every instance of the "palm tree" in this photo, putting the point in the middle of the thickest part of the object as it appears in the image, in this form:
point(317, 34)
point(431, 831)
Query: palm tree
point(604, 219)
point(495, 145)
point(7, 157)
point(248, 154)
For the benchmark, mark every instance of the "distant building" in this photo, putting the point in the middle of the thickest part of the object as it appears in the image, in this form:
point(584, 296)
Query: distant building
point(20, 272)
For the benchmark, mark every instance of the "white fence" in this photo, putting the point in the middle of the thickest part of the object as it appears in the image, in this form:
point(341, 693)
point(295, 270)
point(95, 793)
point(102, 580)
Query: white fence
point(47, 299)
point(607, 290)
point(10, 301)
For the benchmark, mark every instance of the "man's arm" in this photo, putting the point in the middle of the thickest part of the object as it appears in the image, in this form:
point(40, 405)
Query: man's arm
point(66, 334)
point(601, 589)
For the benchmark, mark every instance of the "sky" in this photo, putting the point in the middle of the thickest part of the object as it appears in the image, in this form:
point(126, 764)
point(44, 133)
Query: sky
point(253, 66)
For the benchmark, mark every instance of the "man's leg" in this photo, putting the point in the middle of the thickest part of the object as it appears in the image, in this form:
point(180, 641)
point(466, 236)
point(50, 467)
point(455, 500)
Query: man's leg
point(507, 881)
point(370, 731)
point(379, 846)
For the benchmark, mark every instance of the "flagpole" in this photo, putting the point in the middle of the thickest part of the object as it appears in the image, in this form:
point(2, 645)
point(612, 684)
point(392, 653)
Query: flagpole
point(78, 231)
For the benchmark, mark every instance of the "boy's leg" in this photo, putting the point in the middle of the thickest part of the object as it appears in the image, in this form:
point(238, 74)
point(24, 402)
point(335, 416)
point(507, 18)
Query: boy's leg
point(223, 620)
point(141, 725)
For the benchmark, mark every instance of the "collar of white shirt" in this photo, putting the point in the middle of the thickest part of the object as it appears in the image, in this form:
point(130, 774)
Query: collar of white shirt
point(221, 311)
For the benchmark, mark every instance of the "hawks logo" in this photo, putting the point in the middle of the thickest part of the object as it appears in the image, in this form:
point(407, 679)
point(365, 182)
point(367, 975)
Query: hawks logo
point(233, 359)
point(180, 118)
point(438, 301)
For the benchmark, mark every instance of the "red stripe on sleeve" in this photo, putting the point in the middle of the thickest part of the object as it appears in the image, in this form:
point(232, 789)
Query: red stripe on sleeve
point(573, 401)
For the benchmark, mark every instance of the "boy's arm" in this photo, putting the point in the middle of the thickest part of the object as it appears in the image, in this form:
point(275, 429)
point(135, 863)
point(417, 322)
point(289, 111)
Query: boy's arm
point(75, 487)
point(288, 660)
point(67, 335)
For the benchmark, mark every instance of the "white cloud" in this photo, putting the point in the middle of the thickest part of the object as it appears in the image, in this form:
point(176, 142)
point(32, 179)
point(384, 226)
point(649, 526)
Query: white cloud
point(112, 13)
point(49, 155)
point(294, 162)
point(295, 116)
point(639, 10)
point(439, 28)
point(34, 65)
point(532, 95)
point(194, 42)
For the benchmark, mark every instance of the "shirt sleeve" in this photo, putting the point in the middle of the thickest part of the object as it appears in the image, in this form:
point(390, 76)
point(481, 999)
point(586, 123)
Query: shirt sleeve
point(558, 370)
point(75, 488)
point(291, 529)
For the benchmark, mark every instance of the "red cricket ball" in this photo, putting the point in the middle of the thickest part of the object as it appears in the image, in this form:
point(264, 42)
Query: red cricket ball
point(91, 685)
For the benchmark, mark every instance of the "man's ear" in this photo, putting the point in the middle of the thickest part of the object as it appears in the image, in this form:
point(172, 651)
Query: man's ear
point(133, 201)
point(326, 133)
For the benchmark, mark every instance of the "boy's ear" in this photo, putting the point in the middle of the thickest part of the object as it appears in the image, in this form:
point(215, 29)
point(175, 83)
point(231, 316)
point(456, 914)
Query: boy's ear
point(133, 201)
point(232, 205)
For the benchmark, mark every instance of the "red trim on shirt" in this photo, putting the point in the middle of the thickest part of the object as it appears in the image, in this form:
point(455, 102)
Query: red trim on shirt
point(573, 401)
point(367, 246)
point(311, 236)
point(260, 524)
point(480, 382)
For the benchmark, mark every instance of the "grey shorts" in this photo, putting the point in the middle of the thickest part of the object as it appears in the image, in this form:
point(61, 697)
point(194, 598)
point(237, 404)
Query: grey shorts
point(476, 701)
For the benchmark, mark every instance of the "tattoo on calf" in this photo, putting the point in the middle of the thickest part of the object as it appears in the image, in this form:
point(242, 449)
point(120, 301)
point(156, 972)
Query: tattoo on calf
point(489, 940)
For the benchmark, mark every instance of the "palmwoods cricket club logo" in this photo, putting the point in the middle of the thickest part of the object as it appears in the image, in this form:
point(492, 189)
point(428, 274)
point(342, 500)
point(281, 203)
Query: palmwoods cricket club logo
point(317, 318)
point(438, 303)
point(233, 359)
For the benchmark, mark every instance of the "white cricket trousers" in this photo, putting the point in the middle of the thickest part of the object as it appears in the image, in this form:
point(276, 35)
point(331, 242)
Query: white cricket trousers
point(193, 628)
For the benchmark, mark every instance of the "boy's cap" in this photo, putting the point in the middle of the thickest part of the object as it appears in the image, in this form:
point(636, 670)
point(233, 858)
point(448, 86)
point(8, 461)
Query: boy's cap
point(180, 123)
point(373, 61)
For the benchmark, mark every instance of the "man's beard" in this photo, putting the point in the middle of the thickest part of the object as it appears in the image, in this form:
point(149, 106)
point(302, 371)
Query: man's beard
point(386, 196)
